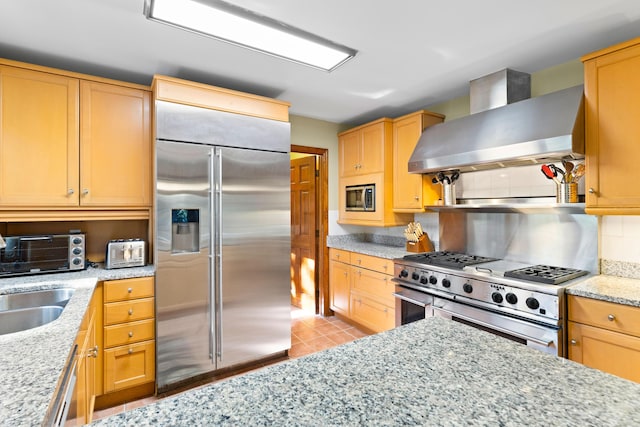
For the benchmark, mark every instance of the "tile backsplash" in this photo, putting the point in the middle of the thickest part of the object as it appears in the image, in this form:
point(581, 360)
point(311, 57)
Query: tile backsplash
point(522, 181)
point(619, 237)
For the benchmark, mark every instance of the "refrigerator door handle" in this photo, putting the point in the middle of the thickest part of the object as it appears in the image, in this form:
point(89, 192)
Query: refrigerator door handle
point(212, 261)
point(217, 222)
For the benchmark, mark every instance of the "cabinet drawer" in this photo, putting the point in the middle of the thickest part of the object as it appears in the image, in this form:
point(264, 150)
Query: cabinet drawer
point(604, 314)
point(129, 365)
point(373, 283)
point(122, 290)
point(128, 311)
point(339, 255)
point(128, 333)
point(374, 263)
point(375, 316)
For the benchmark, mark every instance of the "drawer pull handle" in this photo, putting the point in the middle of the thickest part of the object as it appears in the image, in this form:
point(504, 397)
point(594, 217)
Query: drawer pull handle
point(611, 317)
point(129, 290)
point(130, 311)
point(130, 351)
point(573, 342)
point(130, 334)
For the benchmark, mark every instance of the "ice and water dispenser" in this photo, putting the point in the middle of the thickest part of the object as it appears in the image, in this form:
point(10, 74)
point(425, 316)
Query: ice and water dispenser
point(185, 230)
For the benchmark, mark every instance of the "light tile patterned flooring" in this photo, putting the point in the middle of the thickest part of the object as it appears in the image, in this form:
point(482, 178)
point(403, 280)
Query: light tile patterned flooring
point(309, 334)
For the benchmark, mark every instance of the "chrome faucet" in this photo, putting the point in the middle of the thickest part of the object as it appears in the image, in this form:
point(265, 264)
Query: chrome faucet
point(2, 243)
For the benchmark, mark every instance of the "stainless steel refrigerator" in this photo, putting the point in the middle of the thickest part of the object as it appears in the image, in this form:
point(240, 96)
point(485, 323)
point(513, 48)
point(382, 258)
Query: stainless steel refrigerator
point(222, 241)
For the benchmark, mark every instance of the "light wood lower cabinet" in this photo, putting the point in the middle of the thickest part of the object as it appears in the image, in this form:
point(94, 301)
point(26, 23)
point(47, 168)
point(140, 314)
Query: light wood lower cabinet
point(81, 410)
point(361, 289)
point(129, 333)
point(605, 336)
point(129, 365)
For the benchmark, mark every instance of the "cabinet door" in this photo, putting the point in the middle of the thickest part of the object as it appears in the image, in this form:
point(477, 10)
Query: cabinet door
point(411, 191)
point(376, 285)
point(612, 84)
point(350, 146)
point(608, 351)
point(115, 145)
point(129, 365)
point(372, 149)
point(38, 139)
point(339, 287)
point(371, 313)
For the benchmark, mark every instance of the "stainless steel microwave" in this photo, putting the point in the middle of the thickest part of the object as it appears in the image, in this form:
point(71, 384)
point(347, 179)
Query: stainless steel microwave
point(42, 254)
point(361, 197)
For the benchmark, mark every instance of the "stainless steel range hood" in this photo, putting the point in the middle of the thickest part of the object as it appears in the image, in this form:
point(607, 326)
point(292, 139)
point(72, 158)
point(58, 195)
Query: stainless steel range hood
point(543, 129)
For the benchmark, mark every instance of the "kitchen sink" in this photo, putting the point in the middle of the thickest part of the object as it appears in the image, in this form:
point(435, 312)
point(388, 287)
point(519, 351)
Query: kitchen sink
point(27, 310)
point(22, 319)
point(58, 297)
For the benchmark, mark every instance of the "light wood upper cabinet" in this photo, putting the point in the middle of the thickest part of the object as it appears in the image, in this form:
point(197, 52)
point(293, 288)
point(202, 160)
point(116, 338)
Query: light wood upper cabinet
point(363, 149)
point(70, 143)
point(39, 138)
point(115, 145)
point(612, 84)
point(365, 157)
point(411, 192)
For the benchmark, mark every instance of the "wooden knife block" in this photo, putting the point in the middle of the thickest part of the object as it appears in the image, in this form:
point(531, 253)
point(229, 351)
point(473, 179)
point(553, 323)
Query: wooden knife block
point(422, 245)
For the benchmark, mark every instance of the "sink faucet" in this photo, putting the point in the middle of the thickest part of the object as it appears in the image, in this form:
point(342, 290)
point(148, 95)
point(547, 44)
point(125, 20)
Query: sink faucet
point(2, 243)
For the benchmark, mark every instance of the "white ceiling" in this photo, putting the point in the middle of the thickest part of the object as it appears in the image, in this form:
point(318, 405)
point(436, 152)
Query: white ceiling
point(412, 53)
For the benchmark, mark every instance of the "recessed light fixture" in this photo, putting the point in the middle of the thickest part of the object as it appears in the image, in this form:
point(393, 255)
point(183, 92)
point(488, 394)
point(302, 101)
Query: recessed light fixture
point(232, 24)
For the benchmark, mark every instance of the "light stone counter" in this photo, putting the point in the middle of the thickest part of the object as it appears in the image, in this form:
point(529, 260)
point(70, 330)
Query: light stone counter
point(379, 246)
point(32, 361)
point(615, 289)
point(433, 372)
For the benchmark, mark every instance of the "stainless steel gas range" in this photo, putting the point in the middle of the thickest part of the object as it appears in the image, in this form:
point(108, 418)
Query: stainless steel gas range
point(521, 302)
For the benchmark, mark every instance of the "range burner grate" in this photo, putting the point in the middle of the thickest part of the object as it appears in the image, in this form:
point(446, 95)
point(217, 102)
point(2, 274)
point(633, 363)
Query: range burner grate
point(448, 259)
point(545, 274)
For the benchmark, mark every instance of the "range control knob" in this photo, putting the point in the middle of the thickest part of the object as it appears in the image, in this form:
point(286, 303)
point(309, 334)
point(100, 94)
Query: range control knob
point(496, 297)
point(424, 280)
point(467, 288)
point(511, 298)
point(415, 276)
point(76, 240)
point(76, 251)
point(76, 261)
point(532, 303)
point(433, 280)
point(404, 273)
point(446, 283)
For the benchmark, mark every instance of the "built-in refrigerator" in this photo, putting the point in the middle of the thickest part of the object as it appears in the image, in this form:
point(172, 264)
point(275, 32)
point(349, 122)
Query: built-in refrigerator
point(222, 241)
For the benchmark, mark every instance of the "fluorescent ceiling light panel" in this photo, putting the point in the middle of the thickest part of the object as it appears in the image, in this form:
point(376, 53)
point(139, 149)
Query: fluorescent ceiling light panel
point(241, 27)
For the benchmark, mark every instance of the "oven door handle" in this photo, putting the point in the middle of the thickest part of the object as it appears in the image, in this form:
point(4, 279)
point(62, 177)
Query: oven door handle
point(545, 343)
point(411, 300)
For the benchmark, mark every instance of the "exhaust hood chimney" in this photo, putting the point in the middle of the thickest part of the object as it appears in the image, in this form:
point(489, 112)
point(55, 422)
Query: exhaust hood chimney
point(498, 89)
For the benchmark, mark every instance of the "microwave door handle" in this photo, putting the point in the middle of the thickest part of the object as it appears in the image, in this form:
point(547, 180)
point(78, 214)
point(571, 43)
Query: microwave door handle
point(545, 343)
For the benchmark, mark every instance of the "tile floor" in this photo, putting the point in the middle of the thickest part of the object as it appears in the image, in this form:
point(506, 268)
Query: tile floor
point(309, 334)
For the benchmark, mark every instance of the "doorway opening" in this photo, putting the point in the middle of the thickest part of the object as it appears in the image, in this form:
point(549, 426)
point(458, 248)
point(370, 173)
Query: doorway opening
point(309, 229)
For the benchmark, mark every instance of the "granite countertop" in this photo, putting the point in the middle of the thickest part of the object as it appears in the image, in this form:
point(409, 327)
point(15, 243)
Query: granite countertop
point(32, 361)
point(431, 372)
point(383, 249)
point(615, 289)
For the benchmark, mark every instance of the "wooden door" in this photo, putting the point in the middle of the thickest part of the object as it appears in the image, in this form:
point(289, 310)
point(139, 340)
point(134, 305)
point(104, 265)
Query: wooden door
point(303, 233)
point(115, 145)
point(38, 139)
